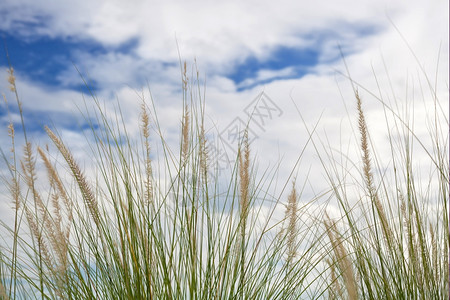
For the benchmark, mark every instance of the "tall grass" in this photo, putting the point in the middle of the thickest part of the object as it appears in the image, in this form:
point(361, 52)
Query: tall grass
point(131, 233)
point(140, 228)
point(392, 242)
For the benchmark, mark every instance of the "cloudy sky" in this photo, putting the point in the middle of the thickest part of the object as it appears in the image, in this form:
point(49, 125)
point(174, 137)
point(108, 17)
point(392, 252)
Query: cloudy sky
point(287, 54)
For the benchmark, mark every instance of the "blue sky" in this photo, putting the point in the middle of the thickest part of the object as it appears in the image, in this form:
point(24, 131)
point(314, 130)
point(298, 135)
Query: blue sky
point(290, 50)
point(45, 59)
point(49, 54)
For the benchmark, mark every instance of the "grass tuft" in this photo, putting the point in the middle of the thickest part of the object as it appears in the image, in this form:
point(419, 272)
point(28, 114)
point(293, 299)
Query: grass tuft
point(145, 221)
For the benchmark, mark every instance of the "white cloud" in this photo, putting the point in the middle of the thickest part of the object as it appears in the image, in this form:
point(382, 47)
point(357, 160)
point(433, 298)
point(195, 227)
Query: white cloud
point(216, 33)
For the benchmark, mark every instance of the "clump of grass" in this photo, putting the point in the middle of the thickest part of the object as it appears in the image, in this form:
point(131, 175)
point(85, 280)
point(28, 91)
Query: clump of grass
point(169, 228)
point(125, 231)
point(389, 238)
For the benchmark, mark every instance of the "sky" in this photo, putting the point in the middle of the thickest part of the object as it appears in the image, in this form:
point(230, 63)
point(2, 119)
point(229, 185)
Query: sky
point(285, 57)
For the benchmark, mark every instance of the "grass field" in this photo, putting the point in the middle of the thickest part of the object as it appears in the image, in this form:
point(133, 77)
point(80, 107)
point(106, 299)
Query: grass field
point(169, 229)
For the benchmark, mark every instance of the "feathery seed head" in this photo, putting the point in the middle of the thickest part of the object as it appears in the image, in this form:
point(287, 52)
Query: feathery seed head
point(85, 188)
point(185, 133)
point(342, 258)
point(291, 215)
point(145, 122)
point(244, 166)
point(11, 80)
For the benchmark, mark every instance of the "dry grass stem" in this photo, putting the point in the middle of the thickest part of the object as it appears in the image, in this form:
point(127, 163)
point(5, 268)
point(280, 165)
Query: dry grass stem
point(56, 237)
point(11, 80)
point(56, 180)
point(28, 166)
point(291, 215)
point(11, 134)
point(145, 124)
point(342, 258)
point(15, 192)
point(367, 169)
point(185, 134)
point(203, 155)
point(185, 78)
point(244, 176)
point(85, 188)
point(38, 237)
point(335, 290)
point(434, 253)
point(244, 169)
